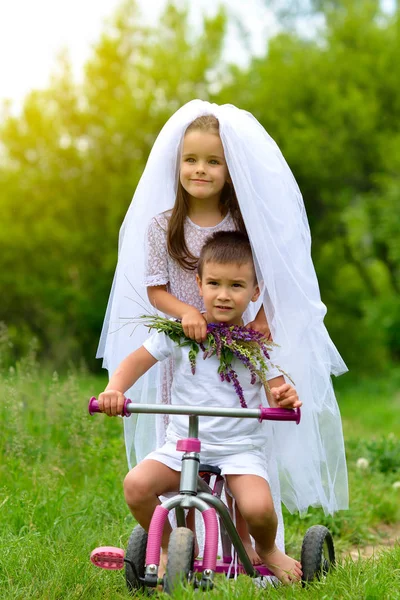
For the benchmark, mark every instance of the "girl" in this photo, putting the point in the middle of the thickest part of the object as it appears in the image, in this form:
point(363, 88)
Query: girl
point(245, 183)
point(205, 203)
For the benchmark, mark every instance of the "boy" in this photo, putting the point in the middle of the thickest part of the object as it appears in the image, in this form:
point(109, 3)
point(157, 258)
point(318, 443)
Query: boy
point(227, 282)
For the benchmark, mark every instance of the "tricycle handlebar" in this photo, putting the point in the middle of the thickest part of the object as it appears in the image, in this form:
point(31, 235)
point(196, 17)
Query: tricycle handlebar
point(261, 413)
point(94, 407)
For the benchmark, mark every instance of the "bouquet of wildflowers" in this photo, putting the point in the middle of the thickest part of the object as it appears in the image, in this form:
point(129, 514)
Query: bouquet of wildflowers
point(226, 342)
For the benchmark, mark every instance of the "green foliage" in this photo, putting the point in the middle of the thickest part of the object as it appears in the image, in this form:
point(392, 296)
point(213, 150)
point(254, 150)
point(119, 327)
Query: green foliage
point(70, 163)
point(332, 104)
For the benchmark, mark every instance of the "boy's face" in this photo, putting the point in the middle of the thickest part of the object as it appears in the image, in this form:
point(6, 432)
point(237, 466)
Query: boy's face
point(227, 290)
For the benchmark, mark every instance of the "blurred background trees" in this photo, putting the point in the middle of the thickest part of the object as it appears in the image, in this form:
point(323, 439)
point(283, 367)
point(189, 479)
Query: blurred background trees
point(71, 160)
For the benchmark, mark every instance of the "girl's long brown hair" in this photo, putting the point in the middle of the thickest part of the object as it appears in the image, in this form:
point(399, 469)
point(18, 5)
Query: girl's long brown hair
point(176, 244)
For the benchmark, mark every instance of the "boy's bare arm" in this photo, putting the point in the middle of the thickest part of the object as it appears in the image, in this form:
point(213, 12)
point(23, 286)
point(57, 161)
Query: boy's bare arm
point(193, 323)
point(282, 394)
point(111, 401)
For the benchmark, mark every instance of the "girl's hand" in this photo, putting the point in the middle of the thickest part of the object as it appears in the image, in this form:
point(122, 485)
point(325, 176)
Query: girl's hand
point(194, 324)
point(285, 396)
point(262, 327)
point(260, 324)
point(111, 402)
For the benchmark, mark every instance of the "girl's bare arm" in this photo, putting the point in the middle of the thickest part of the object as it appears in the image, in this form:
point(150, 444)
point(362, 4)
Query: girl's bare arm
point(260, 323)
point(193, 323)
point(166, 302)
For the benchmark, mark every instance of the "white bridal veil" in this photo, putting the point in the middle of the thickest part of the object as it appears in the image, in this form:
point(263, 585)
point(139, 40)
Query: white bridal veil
point(310, 456)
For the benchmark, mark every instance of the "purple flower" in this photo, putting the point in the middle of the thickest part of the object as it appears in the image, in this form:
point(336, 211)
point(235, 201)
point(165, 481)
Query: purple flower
point(218, 345)
point(264, 351)
point(228, 343)
point(221, 338)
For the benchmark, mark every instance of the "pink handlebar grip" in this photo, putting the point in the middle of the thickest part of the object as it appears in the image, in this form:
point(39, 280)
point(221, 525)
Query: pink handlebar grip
point(94, 407)
point(280, 414)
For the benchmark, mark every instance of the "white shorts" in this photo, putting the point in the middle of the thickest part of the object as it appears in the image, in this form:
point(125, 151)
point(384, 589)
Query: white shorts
point(250, 462)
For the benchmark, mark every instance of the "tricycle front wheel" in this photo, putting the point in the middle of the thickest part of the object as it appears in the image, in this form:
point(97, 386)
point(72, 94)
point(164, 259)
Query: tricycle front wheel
point(180, 561)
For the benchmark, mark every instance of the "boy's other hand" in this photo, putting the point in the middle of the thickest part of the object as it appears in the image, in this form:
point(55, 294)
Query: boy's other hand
point(111, 402)
point(285, 396)
point(194, 325)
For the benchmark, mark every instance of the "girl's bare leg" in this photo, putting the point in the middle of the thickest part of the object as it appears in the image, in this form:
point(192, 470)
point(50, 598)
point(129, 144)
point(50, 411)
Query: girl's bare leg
point(254, 500)
point(142, 487)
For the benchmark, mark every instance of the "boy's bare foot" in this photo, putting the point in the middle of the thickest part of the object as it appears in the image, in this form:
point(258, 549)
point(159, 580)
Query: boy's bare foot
point(252, 554)
point(286, 569)
point(196, 547)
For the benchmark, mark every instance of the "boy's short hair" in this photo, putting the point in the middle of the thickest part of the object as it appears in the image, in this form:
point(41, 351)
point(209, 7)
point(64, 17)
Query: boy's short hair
point(225, 247)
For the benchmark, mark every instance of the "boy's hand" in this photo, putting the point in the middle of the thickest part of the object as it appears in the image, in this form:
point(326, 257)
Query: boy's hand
point(194, 325)
point(111, 402)
point(285, 396)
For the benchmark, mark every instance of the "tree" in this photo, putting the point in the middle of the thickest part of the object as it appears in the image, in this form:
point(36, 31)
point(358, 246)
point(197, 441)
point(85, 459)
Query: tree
point(332, 104)
point(72, 160)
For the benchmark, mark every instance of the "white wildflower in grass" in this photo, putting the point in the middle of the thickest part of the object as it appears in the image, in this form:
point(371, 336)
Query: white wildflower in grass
point(362, 463)
point(396, 485)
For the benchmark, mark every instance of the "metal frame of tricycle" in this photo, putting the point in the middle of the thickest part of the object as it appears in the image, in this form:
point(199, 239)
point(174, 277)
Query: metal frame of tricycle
point(195, 493)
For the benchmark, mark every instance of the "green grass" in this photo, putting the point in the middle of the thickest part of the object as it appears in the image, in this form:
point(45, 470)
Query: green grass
point(370, 407)
point(61, 476)
point(371, 422)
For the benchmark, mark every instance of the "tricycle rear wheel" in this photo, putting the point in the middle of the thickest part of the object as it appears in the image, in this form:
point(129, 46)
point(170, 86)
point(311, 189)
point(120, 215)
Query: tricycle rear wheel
point(317, 553)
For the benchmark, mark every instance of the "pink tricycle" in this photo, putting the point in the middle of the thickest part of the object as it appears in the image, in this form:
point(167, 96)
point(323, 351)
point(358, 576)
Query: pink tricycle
point(142, 556)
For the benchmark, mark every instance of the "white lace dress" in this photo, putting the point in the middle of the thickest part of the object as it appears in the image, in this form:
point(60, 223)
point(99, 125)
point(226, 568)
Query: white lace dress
point(161, 269)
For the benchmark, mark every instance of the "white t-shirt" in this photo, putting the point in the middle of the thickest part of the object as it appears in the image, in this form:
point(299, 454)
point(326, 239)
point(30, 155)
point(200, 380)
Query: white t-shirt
point(205, 388)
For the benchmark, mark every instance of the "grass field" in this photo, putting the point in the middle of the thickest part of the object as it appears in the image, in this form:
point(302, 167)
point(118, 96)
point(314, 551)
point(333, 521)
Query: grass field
point(61, 495)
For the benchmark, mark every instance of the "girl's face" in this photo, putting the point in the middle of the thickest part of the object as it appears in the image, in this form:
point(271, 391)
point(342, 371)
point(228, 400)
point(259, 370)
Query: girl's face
point(203, 170)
